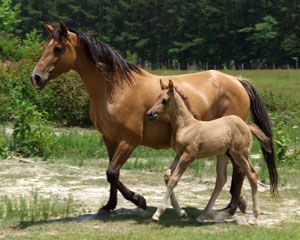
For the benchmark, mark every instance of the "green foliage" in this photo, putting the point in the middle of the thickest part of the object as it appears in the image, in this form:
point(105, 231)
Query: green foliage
point(192, 31)
point(8, 16)
point(31, 136)
point(281, 142)
point(65, 99)
point(132, 57)
point(69, 101)
point(4, 150)
point(13, 49)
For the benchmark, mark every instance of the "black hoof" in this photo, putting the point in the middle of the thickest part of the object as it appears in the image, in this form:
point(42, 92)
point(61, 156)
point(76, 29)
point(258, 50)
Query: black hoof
point(103, 213)
point(140, 201)
point(242, 205)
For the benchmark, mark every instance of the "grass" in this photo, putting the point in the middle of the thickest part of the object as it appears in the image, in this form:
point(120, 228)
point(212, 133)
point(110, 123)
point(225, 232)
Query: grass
point(41, 214)
point(134, 228)
point(280, 82)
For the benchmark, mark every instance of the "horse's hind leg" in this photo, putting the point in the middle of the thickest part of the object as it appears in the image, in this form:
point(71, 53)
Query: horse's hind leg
point(220, 182)
point(174, 202)
point(235, 190)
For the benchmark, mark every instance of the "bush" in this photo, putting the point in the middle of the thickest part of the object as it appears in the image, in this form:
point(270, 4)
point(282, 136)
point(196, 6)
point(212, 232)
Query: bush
point(71, 101)
point(64, 99)
point(31, 136)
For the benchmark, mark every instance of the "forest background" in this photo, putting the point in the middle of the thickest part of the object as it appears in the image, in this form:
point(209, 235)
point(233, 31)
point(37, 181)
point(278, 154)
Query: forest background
point(173, 33)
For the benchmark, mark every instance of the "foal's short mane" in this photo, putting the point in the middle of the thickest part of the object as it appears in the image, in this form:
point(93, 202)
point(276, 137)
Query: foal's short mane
point(187, 103)
point(105, 58)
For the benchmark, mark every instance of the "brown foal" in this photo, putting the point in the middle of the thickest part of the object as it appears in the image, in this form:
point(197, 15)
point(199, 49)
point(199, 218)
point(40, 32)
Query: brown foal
point(193, 139)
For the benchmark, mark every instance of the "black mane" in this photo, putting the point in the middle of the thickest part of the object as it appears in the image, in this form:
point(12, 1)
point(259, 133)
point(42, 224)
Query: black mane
point(105, 58)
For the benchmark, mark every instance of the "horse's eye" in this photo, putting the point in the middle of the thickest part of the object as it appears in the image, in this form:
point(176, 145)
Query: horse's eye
point(58, 49)
point(164, 101)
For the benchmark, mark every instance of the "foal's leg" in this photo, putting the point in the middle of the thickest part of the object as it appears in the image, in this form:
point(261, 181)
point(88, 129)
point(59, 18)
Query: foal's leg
point(174, 202)
point(220, 182)
point(182, 165)
point(247, 167)
point(122, 153)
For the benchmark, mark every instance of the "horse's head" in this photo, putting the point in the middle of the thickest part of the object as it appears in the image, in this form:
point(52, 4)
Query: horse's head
point(58, 57)
point(163, 101)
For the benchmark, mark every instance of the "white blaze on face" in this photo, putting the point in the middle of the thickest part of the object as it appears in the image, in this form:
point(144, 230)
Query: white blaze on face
point(50, 43)
point(34, 70)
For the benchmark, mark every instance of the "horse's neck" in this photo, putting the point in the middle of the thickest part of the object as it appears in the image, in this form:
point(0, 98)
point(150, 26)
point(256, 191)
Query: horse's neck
point(180, 114)
point(94, 81)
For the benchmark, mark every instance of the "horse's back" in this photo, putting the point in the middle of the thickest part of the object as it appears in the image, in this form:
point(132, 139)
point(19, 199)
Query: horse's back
point(213, 94)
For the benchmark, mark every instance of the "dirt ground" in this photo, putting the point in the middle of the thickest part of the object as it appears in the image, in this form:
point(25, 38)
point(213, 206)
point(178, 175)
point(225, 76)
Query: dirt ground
point(89, 187)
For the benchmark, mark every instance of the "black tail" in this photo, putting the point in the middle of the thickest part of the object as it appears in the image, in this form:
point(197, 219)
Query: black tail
point(261, 119)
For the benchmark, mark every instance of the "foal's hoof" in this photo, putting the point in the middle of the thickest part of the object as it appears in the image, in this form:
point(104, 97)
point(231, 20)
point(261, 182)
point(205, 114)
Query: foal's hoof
point(183, 214)
point(200, 219)
point(155, 218)
point(252, 221)
point(103, 213)
point(140, 201)
point(242, 204)
point(222, 216)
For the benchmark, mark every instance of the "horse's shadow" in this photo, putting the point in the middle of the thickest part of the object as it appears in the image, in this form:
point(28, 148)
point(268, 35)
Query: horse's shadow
point(139, 216)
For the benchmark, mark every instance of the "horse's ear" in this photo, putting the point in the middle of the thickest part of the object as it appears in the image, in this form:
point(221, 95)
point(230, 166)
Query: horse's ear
point(64, 30)
point(49, 28)
point(171, 85)
point(163, 87)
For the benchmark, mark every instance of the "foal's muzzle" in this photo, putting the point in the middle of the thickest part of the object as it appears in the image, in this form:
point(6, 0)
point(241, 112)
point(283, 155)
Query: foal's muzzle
point(152, 116)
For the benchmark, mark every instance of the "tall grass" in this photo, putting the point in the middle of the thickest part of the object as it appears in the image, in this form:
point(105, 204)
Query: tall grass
point(36, 207)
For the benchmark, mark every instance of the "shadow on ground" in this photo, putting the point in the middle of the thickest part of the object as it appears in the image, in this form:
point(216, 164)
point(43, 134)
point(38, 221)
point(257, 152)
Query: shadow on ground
point(139, 216)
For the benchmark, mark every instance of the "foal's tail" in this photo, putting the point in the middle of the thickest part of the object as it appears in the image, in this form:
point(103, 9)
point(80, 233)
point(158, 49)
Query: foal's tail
point(262, 121)
point(265, 142)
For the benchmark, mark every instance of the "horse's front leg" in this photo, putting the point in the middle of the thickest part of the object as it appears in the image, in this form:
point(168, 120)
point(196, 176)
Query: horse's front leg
point(112, 202)
point(122, 153)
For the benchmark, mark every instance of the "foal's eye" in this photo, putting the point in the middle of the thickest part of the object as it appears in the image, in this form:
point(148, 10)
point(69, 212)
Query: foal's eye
point(164, 101)
point(58, 49)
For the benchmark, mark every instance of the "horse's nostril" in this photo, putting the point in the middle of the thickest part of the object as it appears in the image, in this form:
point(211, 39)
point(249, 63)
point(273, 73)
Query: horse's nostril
point(37, 79)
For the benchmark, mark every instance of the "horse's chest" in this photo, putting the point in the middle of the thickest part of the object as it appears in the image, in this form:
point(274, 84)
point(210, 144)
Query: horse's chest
point(113, 122)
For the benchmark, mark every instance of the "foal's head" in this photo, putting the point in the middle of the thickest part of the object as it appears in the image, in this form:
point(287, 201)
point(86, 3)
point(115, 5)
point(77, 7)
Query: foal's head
point(162, 103)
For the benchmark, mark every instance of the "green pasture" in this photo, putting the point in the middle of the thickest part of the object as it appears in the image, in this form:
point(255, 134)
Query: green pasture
point(285, 83)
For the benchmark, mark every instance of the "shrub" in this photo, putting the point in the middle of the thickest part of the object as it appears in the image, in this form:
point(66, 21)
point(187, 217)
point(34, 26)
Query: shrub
point(31, 136)
point(64, 99)
point(70, 104)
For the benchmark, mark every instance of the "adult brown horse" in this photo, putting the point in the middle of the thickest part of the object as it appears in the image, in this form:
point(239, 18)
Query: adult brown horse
point(121, 93)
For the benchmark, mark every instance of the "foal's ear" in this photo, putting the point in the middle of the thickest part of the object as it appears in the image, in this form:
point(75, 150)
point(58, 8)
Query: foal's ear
point(64, 30)
point(49, 28)
point(171, 85)
point(163, 87)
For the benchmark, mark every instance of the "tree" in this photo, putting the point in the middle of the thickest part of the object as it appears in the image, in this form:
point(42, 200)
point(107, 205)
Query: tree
point(8, 16)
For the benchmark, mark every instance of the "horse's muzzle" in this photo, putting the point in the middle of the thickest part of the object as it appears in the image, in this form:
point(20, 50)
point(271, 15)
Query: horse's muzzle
point(38, 81)
point(152, 116)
